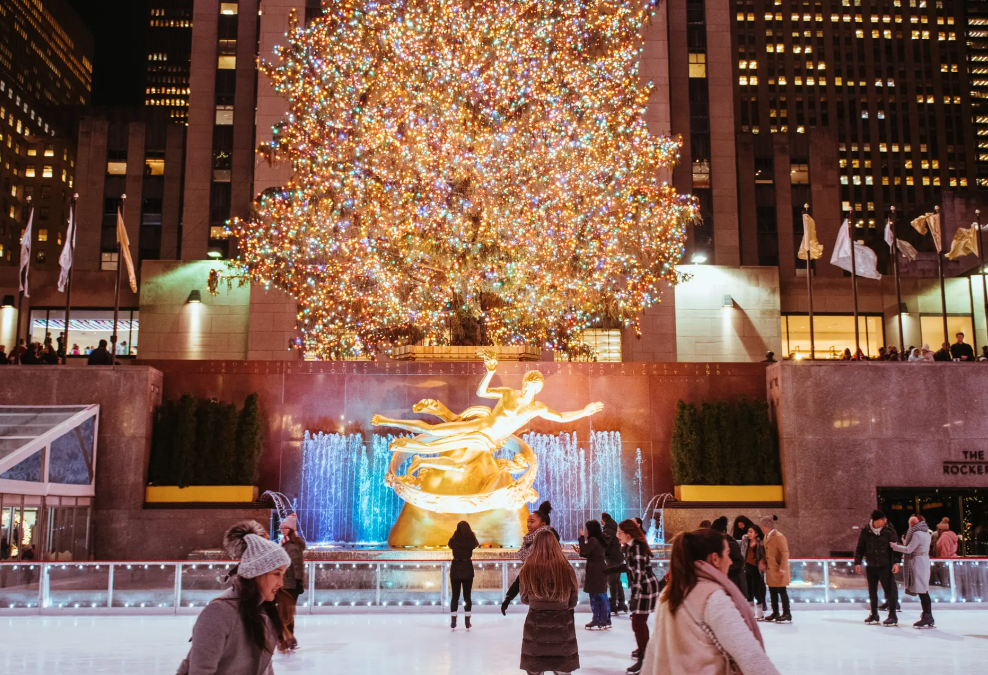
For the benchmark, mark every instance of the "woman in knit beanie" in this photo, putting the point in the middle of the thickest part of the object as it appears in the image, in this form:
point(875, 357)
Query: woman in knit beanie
point(294, 583)
point(237, 632)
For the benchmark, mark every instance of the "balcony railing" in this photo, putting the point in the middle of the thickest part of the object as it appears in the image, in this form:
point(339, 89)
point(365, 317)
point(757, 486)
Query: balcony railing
point(185, 587)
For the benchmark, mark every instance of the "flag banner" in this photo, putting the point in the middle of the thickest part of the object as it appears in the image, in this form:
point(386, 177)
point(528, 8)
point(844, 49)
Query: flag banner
point(810, 248)
point(907, 250)
point(889, 234)
point(865, 260)
point(965, 242)
point(65, 260)
point(934, 222)
point(124, 242)
point(25, 270)
point(920, 224)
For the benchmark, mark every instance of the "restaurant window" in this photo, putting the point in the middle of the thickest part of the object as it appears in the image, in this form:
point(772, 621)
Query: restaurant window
point(86, 328)
point(931, 329)
point(832, 334)
point(606, 343)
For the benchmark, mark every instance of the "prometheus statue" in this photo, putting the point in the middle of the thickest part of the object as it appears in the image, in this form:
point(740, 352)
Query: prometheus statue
point(453, 474)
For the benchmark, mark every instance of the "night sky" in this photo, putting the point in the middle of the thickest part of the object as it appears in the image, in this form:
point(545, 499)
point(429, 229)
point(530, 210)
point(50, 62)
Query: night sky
point(119, 30)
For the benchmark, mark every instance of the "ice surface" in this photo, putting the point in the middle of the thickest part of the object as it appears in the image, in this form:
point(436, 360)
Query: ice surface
point(818, 642)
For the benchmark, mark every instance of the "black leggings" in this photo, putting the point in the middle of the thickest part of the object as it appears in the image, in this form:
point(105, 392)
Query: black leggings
point(639, 624)
point(466, 585)
point(924, 600)
point(756, 585)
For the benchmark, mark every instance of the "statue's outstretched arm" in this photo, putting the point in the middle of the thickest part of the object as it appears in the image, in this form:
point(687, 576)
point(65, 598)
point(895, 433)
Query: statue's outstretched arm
point(556, 416)
point(482, 389)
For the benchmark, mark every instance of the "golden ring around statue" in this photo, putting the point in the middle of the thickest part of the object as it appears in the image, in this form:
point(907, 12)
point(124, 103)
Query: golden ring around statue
point(510, 496)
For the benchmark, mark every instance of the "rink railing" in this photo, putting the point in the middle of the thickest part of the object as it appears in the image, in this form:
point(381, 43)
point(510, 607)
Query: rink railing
point(183, 587)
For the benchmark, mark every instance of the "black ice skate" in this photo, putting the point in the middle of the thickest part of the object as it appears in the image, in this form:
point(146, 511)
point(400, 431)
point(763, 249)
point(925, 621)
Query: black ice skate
point(873, 619)
point(926, 621)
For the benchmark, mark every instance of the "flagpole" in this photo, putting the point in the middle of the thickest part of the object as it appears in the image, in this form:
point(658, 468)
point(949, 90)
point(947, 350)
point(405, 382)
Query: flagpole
point(854, 291)
point(974, 331)
point(898, 289)
point(20, 297)
point(116, 294)
point(943, 292)
point(809, 285)
point(984, 281)
point(68, 289)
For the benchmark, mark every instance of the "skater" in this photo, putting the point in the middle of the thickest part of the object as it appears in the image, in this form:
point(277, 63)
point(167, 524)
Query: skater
point(238, 631)
point(548, 587)
point(592, 546)
point(883, 564)
point(614, 557)
point(753, 551)
point(644, 586)
point(777, 575)
point(294, 583)
point(736, 573)
point(462, 544)
point(537, 520)
point(916, 550)
point(946, 545)
point(703, 625)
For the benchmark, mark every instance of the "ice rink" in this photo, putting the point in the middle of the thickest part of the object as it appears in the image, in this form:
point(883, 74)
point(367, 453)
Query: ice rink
point(818, 642)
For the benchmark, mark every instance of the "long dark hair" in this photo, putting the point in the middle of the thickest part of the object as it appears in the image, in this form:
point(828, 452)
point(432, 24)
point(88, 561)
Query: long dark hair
point(464, 535)
point(687, 549)
point(252, 612)
point(547, 574)
point(545, 508)
point(634, 530)
point(606, 518)
point(741, 526)
point(594, 531)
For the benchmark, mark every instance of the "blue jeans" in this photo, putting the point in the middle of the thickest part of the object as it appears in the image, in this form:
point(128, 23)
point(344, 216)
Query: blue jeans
point(600, 608)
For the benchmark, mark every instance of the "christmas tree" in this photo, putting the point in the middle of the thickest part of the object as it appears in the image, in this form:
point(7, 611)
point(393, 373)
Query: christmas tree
point(466, 172)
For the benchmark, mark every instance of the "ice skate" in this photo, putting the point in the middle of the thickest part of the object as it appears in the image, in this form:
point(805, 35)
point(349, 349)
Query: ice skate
point(926, 621)
point(452, 621)
point(891, 621)
point(873, 619)
point(466, 621)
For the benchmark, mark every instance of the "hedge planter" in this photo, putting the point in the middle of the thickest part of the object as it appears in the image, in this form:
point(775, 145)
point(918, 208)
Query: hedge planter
point(729, 493)
point(172, 494)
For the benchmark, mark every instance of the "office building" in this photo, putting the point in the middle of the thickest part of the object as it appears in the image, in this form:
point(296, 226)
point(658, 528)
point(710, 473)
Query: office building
point(169, 56)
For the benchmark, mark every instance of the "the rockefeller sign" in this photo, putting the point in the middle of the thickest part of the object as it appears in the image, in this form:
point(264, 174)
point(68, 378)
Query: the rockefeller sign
point(972, 463)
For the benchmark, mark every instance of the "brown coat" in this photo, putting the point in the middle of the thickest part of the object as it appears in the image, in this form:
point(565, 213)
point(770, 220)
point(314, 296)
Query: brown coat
point(777, 560)
point(549, 638)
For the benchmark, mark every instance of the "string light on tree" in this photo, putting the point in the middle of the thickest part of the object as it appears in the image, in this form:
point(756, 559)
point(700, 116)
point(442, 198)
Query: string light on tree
point(466, 172)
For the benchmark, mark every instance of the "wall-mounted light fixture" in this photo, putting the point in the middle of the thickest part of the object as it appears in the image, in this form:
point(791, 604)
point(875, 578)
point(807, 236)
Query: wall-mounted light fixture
point(214, 252)
point(195, 297)
point(8, 302)
point(699, 258)
point(728, 301)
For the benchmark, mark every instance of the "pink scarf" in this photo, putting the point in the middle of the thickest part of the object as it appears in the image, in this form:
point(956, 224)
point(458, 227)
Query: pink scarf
point(705, 570)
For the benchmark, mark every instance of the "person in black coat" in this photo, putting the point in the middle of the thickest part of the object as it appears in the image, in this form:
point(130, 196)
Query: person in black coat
point(100, 356)
point(462, 543)
point(614, 557)
point(736, 571)
point(883, 564)
point(592, 547)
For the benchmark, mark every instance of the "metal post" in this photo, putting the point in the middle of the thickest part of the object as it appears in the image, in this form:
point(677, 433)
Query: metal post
point(898, 289)
point(42, 572)
point(178, 586)
point(377, 584)
point(20, 294)
point(444, 584)
point(109, 589)
point(943, 292)
point(116, 292)
point(974, 331)
point(504, 579)
point(826, 582)
point(984, 274)
point(312, 585)
point(809, 288)
point(45, 587)
point(854, 290)
point(953, 584)
point(68, 286)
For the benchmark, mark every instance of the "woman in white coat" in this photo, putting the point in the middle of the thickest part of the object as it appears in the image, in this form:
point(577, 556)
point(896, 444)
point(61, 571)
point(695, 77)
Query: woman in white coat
point(916, 561)
point(703, 625)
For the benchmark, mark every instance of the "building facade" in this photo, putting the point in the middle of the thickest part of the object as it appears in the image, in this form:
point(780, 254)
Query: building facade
point(169, 56)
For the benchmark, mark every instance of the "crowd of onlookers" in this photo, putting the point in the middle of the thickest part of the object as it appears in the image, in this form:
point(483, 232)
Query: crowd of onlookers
point(48, 353)
point(960, 352)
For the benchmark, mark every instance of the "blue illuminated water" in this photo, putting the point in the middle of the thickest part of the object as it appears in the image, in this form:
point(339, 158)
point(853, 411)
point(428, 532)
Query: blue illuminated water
point(344, 498)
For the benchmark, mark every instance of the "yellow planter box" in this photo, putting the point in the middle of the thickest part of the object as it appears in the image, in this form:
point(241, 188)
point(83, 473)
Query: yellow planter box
point(729, 493)
point(200, 493)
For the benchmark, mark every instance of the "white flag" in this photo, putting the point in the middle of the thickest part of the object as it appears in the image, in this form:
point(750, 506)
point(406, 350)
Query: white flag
point(25, 270)
point(65, 260)
point(124, 242)
point(889, 234)
point(865, 260)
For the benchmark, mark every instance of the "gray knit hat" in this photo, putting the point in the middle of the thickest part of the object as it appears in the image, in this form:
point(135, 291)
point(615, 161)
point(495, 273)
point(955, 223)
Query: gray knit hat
point(768, 523)
point(248, 542)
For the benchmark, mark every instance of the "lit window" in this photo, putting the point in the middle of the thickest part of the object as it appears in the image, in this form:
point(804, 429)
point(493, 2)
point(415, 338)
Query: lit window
point(29, 171)
point(698, 65)
point(228, 8)
point(32, 151)
point(47, 171)
point(154, 167)
point(701, 174)
point(227, 62)
point(49, 150)
point(799, 174)
point(224, 115)
point(116, 168)
point(43, 234)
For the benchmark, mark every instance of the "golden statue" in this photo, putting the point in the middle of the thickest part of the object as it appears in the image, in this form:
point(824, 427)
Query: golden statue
point(454, 476)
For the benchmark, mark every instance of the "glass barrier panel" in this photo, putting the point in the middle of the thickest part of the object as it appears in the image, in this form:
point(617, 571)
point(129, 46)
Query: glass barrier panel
point(75, 585)
point(201, 582)
point(487, 581)
point(418, 584)
point(971, 577)
point(345, 584)
point(940, 581)
point(144, 585)
point(807, 581)
point(19, 584)
point(845, 585)
point(580, 567)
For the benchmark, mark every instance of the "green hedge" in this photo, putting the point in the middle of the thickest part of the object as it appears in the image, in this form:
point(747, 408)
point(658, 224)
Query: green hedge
point(205, 442)
point(725, 443)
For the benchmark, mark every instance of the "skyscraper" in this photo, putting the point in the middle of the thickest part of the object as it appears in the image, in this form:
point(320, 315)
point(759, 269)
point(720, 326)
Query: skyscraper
point(169, 55)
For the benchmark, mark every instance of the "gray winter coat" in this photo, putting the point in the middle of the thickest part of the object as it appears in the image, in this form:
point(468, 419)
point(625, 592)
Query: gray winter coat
point(221, 644)
point(917, 562)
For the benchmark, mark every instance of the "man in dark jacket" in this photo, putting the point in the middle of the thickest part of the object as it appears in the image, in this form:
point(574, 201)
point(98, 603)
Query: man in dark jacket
point(736, 571)
point(883, 564)
point(613, 557)
point(101, 356)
